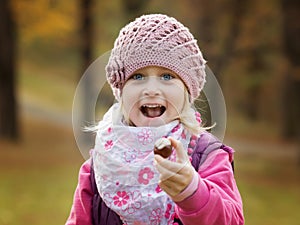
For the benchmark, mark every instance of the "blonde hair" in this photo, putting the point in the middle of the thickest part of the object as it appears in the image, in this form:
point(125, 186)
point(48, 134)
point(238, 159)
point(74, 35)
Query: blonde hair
point(188, 118)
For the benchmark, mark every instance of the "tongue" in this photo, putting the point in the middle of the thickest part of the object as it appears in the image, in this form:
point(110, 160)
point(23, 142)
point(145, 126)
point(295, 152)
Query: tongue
point(153, 112)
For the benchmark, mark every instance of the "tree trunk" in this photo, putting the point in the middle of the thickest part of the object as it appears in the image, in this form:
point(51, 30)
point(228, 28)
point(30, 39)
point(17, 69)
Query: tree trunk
point(237, 10)
point(8, 103)
point(86, 40)
point(290, 103)
point(291, 92)
point(86, 32)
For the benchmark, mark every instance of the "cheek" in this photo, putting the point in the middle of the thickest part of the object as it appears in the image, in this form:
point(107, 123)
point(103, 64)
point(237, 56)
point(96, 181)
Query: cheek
point(128, 107)
point(129, 102)
point(127, 95)
point(177, 105)
point(177, 99)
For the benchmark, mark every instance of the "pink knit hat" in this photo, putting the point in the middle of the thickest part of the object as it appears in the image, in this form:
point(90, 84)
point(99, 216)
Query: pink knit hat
point(156, 40)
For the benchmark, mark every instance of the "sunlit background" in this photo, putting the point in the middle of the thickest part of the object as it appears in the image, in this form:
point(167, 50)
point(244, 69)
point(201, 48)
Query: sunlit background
point(251, 46)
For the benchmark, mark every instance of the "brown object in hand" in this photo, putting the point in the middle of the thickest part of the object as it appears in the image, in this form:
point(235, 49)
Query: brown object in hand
point(163, 147)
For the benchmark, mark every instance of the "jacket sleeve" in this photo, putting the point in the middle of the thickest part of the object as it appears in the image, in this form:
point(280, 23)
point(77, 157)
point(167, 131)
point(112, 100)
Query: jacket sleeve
point(217, 200)
point(81, 211)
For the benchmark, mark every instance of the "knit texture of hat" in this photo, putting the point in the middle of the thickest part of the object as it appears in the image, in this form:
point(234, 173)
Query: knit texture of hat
point(156, 40)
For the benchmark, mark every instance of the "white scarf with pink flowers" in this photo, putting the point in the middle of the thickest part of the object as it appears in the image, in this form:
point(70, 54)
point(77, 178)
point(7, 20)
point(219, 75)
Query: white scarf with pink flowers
point(125, 175)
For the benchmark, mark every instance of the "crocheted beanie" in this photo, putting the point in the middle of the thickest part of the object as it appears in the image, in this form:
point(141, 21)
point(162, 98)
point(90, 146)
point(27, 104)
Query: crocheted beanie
point(156, 40)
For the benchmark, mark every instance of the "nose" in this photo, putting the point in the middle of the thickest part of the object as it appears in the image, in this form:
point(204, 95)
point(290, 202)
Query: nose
point(152, 87)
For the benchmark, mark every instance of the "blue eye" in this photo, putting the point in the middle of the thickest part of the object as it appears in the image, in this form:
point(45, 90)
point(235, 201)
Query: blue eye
point(167, 76)
point(138, 76)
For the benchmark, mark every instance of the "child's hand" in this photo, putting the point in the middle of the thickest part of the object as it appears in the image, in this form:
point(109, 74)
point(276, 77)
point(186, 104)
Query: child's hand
point(174, 176)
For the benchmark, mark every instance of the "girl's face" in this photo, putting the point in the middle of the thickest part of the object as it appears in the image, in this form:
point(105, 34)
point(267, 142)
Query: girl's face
point(153, 96)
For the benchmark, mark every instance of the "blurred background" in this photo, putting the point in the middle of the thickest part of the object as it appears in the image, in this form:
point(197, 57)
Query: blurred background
point(252, 47)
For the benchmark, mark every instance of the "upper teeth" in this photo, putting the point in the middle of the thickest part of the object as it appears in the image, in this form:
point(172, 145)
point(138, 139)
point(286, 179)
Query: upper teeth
point(152, 106)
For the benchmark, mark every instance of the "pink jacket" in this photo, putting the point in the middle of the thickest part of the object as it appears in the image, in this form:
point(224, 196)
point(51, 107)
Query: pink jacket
point(216, 201)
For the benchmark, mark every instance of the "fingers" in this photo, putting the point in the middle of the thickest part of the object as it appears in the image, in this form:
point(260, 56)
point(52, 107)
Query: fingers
point(174, 176)
point(181, 154)
point(171, 189)
point(168, 168)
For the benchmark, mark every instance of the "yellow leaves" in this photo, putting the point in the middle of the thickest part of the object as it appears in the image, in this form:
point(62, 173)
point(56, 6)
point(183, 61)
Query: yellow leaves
point(45, 19)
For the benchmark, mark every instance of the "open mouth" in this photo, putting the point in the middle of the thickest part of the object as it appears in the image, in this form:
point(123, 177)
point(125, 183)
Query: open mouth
point(153, 111)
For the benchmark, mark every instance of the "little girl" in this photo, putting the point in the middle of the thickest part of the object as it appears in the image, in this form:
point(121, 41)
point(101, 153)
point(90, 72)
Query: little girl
point(156, 71)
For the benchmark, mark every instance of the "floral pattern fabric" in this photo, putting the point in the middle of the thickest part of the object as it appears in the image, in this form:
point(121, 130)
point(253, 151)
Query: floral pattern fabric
point(125, 176)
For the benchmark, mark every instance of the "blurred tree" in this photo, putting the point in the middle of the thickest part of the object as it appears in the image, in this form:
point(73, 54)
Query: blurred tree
point(256, 43)
point(254, 84)
point(133, 7)
point(86, 32)
point(291, 45)
point(237, 10)
point(8, 103)
point(218, 25)
point(219, 42)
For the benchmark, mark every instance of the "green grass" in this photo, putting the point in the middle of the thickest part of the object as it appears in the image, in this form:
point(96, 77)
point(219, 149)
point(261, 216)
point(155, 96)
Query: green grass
point(270, 191)
point(269, 205)
point(38, 175)
point(36, 196)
